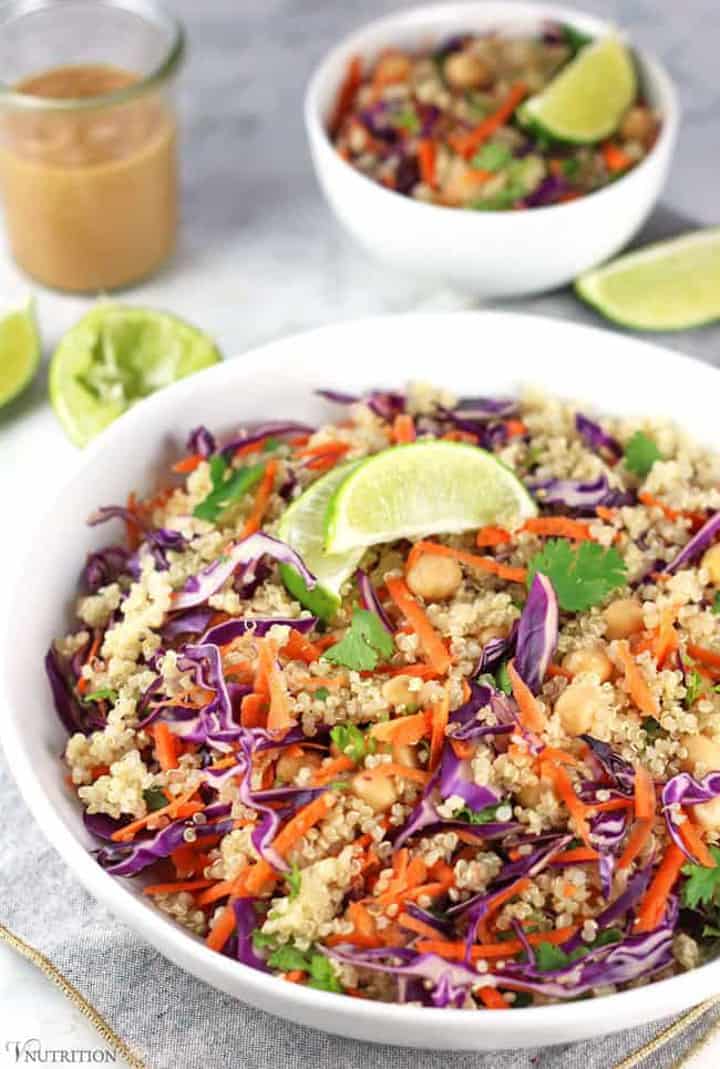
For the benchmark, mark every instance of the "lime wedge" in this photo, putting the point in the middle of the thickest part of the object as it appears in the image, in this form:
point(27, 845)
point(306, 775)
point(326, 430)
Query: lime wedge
point(19, 352)
point(303, 528)
point(115, 356)
point(420, 489)
point(671, 285)
point(586, 101)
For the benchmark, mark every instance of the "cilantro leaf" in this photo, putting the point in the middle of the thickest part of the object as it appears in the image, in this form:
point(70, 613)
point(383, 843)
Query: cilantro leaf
point(548, 956)
point(641, 453)
point(261, 940)
point(575, 39)
point(652, 728)
point(710, 932)
point(479, 816)
point(351, 741)
point(492, 157)
point(228, 487)
point(570, 167)
point(406, 120)
point(716, 604)
point(288, 958)
point(294, 881)
point(702, 886)
point(321, 694)
point(364, 644)
point(582, 576)
point(694, 685)
point(502, 679)
point(606, 938)
point(154, 798)
point(101, 695)
point(322, 975)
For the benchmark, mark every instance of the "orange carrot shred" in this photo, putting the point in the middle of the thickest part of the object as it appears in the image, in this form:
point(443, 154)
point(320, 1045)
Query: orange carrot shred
point(222, 929)
point(403, 429)
point(492, 536)
point(637, 685)
point(440, 715)
point(166, 746)
point(531, 715)
point(188, 464)
point(432, 644)
point(262, 498)
point(652, 906)
point(558, 527)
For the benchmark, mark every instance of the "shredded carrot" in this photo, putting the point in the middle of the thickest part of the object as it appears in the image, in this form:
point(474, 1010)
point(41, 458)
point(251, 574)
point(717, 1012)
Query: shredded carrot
point(426, 161)
point(432, 644)
point(301, 823)
point(279, 714)
point(606, 514)
point(133, 528)
point(253, 711)
point(440, 715)
point(180, 806)
point(468, 144)
point(652, 906)
point(323, 449)
point(492, 999)
point(391, 769)
point(515, 428)
point(577, 856)
point(530, 714)
point(414, 925)
point(485, 564)
point(695, 844)
point(492, 536)
point(564, 790)
point(615, 159)
point(166, 746)
point(558, 527)
point(222, 889)
point(188, 464)
point(666, 640)
point(179, 885)
point(455, 951)
point(315, 682)
point(705, 656)
point(222, 929)
point(403, 429)
point(644, 794)
point(636, 843)
point(299, 648)
point(346, 95)
point(262, 498)
point(333, 768)
point(403, 730)
point(637, 685)
point(463, 750)
point(610, 806)
point(554, 670)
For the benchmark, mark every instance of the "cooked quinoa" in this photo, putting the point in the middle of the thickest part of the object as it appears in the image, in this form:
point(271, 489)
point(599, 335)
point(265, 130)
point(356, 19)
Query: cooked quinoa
point(489, 776)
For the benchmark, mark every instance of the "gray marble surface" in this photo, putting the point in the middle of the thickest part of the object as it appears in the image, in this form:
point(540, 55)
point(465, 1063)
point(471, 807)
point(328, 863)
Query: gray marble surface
point(261, 256)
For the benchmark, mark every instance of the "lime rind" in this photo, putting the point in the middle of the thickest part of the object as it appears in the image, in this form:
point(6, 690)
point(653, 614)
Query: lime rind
point(303, 528)
point(423, 488)
point(115, 356)
point(20, 351)
point(585, 102)
point(667, 286)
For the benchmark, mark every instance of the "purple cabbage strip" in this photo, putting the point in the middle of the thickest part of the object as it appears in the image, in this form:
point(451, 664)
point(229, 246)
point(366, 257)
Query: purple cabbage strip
point(450, 977)
point(620, 771)
point(483, 409)
point(371, 601)
point(697, 544)
point(547, 192)
point(127, 859)
point(246, 921)
point(618, 909)
point(594, 436)
point(537, 633)
point(225, 632)
point(456, 780)
point(682, 790)
point(105, 566)
point(248, 551)
point(73, 714)
point(192, 622)
point(579, 497)
point(496, 651)
point(201, 442)
point(338, 397)
point(264, 430)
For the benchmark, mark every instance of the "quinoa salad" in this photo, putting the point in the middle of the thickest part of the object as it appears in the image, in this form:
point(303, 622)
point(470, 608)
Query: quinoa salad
point(486, 775)
point(447, 126)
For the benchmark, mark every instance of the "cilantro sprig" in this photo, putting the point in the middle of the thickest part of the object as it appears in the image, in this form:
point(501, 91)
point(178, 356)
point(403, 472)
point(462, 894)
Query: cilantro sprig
point(479, 816)
point(101, 695)
point(702, 886)
point(641, 452)
point(319, 969)
point(294, 882)
point(581, 577)
point(154, 798)
point(352, 742)
point(229, 485)
point(548, 956)
point(492, 157)
point(364, 645)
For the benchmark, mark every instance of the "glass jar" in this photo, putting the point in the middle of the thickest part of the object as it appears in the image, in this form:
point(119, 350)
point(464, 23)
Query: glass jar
point(88, 166)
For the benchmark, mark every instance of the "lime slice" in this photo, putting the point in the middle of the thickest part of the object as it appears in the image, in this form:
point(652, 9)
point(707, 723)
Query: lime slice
point(115, 356)
point(303, 528)
point(19, 352)
point(667, 286)
point(586, 101)
point(420, 489)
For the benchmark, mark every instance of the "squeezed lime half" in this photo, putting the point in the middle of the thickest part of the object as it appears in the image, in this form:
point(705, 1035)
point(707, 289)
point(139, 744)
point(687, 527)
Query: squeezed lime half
point(432, 487)
point(671, 285)
point(19, 352)
point(115, 356)
point(588, 98)
point(303, 527)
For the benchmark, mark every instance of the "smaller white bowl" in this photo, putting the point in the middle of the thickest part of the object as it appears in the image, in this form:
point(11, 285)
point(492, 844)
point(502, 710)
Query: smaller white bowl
point(490, 254)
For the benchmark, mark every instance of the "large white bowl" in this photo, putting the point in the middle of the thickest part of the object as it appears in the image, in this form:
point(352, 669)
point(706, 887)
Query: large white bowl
point(473, 353)
point(490, 254)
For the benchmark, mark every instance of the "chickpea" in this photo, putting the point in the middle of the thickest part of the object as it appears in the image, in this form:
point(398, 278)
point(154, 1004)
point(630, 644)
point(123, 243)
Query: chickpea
point(638, 125)
point(623, 617)
point(405, 755)
point(530, 795)
point(577, 707)
point(703, 754)
point(591, 659)
point(711, 563)
point(397, 691)
point(378, 791)
point(289, 765)
point(465, 70)
point(708, 814)
point(391, 68)
point(434, 578)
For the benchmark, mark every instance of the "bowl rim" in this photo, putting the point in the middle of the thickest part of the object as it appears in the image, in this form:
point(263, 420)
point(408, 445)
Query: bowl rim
point(354, 42)
point(177, 943)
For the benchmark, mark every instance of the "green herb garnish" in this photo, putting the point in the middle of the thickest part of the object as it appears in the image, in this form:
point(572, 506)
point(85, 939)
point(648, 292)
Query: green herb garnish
point(716, 604)
point(652, 728)
point(575, 39)
point(155, 798)
point(406, 120)
point(321, 694)
point(479, 816)
point(104, 694)
point(364, 645)
point(548, 956)
point(694, 685)
point(502, 679)
point(641, 453)
point(229, 485)
point(702, 886)
point(294, 880)
point(581, 577)
point(491, 157)
point(351, 741)
point(322, 976)
point(261, 940)
point(570, 167)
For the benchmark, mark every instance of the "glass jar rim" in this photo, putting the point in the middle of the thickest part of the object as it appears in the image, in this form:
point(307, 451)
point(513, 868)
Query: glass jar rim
point(162, 73)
